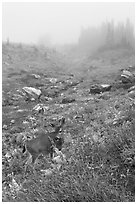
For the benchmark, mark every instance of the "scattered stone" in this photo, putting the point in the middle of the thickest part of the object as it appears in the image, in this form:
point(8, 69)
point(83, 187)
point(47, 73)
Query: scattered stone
point(30, 91)
point(52, 80)
point(32, 99)
point(132, 88)
point(40, 109)
point(12, 121)
point(68, 100)
point(97, 88)
point(5, 127)
point(127, 76)
point(8, 155)
point(131, 94)
point(21, 110)
point(25, 122)
point(36, 76)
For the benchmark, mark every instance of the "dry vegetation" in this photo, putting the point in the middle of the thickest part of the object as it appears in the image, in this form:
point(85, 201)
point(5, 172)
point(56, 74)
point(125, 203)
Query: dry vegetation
point(99, 131)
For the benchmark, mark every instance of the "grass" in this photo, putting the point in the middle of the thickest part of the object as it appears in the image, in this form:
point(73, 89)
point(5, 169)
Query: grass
point(100, 156)
point(100, 165)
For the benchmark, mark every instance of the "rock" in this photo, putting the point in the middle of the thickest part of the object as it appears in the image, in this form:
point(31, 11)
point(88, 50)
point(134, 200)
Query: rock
point(97, 88)
point(132, 88)
point(131, 94)
point(5, 127)
point(40, 109)
point(127, 77)
point(36, 76)
point(52, 80)
point(68, 100)
point(8, 155)
point(30, 91)
point(21, 110)
point(32, 99)
point(12, 121)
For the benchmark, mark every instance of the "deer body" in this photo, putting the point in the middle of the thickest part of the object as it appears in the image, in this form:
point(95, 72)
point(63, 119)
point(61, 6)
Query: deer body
point(44, 143)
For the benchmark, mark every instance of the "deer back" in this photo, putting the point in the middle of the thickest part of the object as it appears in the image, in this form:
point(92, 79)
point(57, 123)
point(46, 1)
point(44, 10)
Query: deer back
point(38, 145)
point(44, 141)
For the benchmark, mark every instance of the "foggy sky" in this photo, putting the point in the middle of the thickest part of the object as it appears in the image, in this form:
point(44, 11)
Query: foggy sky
point(29, 22)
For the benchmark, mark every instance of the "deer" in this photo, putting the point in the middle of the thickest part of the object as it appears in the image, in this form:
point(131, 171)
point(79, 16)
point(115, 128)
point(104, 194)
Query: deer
point(44, 143)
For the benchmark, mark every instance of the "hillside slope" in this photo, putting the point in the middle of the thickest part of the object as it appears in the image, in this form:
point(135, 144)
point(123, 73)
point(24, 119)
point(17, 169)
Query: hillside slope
point(99, 133)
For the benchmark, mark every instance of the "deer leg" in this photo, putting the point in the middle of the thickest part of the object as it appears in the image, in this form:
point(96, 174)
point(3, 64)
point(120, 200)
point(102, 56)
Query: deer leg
point(51, 152)
point(51, 155)
point(34, 157)
point(28, 162)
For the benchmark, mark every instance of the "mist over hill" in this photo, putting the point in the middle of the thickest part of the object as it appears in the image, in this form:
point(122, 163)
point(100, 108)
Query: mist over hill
point(104, 37)
point(66, 62)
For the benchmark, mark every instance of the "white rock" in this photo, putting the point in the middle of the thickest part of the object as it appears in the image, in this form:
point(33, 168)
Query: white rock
point(8, 155)
point(5, 127)
point(32, 91)
point(12, 121)
point(36, 76)
point(131, 94)
point(105, 85)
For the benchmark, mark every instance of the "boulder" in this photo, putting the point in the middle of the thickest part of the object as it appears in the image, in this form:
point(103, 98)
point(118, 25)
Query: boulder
point(5, 127)
point(127, 77)
point(131, 94)
point(32, 92)
point(36, 76)
point(97, 88)
point(132, 88)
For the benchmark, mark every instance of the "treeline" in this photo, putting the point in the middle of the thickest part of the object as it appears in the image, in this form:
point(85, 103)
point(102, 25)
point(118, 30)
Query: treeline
point(107, 36)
